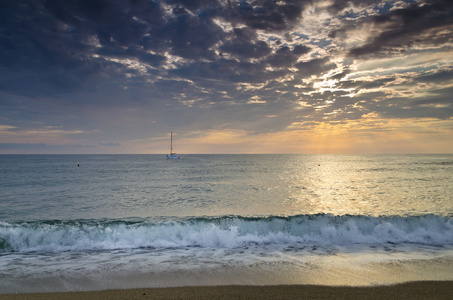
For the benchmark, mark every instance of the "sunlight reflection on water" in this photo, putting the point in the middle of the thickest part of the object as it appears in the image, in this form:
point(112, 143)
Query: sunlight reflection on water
point(369, 185)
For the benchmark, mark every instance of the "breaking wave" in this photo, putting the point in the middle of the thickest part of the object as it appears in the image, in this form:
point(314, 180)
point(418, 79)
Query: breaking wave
point(224, 232)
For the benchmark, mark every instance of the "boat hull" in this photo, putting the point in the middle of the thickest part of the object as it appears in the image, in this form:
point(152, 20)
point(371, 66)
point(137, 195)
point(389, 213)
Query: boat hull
point(172, 156)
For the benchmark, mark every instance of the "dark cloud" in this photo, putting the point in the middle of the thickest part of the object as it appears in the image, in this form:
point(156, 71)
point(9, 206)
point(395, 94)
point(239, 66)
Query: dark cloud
point(32, 39)
point(440, 98)
point(195, 5)
point(283, 57)
point(340, 5)
point(246, 49)
point(439, 76)
point(265, 14)
point(53, 39)
point(301, 49)
point(113, 22)
point(228, 70)
point(191, 37)
point(421, 23)
point(315, 67)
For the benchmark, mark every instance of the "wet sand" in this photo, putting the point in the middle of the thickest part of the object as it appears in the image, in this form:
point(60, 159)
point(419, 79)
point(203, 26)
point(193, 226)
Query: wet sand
point(411, 290)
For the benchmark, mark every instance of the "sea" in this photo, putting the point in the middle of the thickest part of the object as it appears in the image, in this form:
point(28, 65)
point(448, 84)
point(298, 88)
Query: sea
point(95, 222)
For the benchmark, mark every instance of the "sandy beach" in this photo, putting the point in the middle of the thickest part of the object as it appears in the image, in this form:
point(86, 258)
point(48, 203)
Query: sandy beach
point(411, 290)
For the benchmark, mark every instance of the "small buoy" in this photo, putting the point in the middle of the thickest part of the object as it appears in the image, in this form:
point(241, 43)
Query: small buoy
point(78, 165)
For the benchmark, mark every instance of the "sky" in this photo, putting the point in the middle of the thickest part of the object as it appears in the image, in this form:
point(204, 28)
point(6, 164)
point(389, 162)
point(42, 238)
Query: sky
point(333, 76)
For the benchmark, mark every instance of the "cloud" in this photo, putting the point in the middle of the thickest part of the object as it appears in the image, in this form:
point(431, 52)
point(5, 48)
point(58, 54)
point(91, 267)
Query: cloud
point(315, 67)
point(265, 15)
point(112, 70)
point(6, 127)
point(412, 26)
point(60, 47)
point(110, 144)
point(244, 48)
point(24, 148)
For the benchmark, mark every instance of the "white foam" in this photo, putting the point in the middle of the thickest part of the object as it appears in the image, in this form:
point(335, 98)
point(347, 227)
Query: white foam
point(226, 232)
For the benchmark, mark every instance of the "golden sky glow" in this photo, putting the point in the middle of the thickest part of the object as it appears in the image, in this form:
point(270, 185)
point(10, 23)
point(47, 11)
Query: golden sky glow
point(367, 135)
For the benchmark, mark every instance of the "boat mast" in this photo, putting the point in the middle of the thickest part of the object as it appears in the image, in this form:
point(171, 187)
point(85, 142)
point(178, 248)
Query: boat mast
point(171, 143)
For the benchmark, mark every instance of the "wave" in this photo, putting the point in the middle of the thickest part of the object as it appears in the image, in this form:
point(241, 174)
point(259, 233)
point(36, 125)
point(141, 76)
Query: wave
point(224, 232)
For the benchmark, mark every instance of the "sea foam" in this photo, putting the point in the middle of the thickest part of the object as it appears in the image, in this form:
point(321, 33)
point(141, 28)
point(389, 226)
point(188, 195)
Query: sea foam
point(224, 232)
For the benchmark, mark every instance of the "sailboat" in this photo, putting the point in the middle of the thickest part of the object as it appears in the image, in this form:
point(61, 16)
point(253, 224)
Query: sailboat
point(172, 155)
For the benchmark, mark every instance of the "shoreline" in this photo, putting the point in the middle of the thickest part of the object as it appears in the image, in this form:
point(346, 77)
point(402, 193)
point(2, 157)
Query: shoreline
point(408, 290)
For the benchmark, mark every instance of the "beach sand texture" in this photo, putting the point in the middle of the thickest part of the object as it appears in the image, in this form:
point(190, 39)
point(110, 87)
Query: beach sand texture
point(411, 290)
